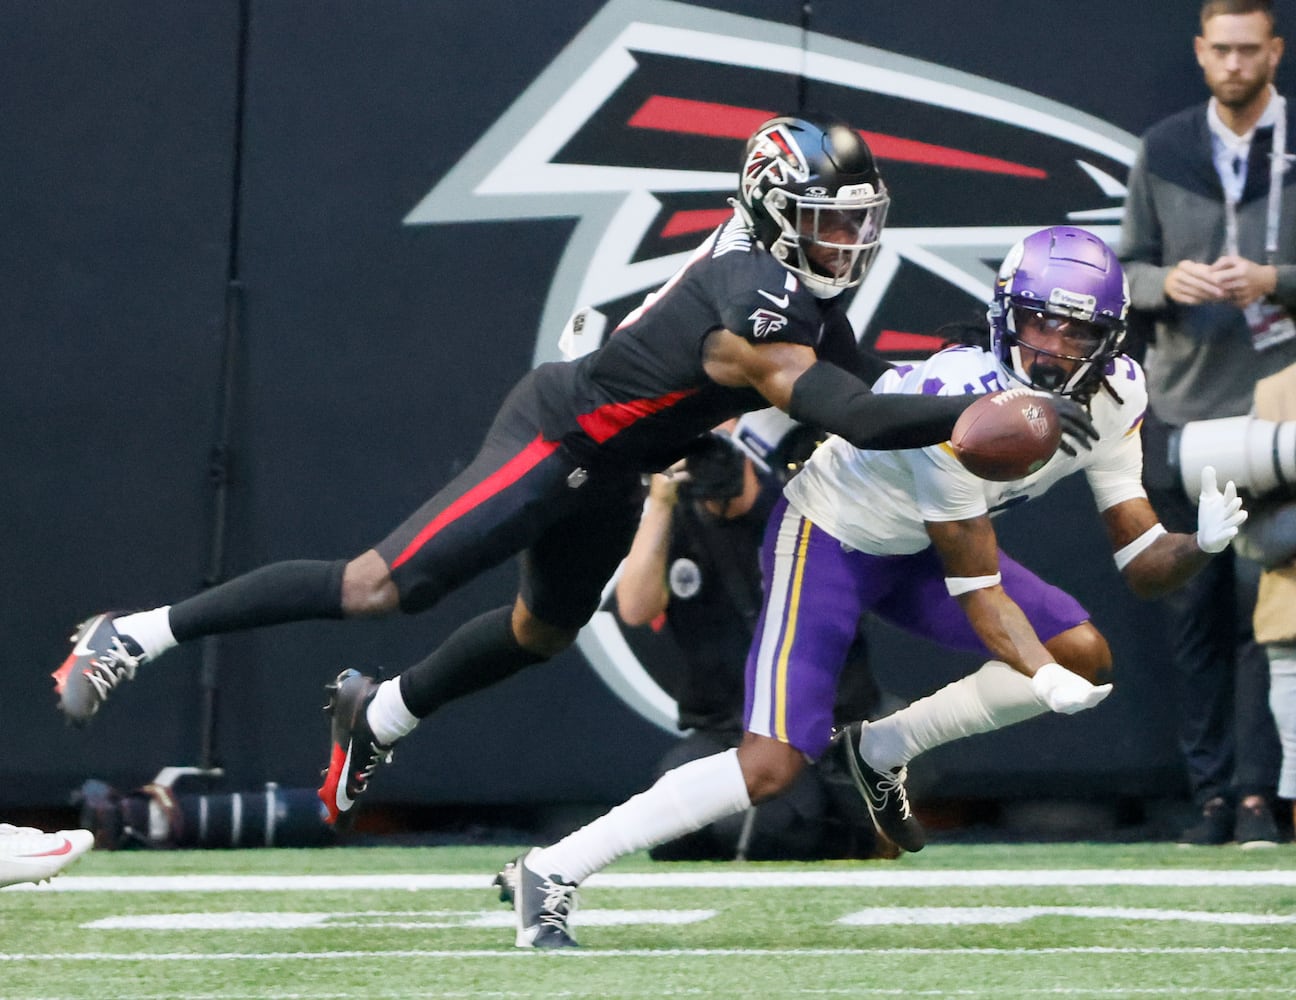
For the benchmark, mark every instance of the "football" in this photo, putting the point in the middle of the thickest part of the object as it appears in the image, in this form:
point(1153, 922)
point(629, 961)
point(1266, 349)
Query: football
point(1006, 435)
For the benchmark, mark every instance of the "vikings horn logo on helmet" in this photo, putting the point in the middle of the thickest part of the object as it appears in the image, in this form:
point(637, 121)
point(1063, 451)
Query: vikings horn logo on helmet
point(637, 131)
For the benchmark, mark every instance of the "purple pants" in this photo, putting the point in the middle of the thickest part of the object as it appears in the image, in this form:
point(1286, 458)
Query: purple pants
point(816, 591)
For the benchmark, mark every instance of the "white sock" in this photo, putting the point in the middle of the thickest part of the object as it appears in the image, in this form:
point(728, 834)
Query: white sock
point(684, 799)
point(993, 697)
point(387, 715)
point(1282, 702)
point(150, 629)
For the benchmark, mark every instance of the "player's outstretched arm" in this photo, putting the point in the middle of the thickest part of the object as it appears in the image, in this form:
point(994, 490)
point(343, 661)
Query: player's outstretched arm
point(823, 395)
point(1154, 561)
point(826, 396)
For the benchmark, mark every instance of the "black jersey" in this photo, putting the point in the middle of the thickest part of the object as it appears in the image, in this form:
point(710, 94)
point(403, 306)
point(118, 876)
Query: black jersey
point(643, 396)
point(558, 473)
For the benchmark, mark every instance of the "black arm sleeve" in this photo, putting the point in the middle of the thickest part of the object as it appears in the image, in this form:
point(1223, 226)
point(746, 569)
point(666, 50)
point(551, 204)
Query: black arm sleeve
point(869, 366)
point(828, 397)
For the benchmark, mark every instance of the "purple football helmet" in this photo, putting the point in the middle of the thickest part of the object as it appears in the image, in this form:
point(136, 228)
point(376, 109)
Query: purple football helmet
point(1066, 280)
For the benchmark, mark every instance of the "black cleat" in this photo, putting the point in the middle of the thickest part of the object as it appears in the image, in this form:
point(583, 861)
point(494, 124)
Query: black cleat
point(356, 752)
point(542, 904)
point(100, 660)
point(884, 794)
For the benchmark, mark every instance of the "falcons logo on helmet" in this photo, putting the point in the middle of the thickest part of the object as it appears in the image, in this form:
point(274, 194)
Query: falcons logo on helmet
point(776, 158)
point(638, 129)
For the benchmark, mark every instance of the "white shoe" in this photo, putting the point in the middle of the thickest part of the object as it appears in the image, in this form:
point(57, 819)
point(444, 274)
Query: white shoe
point(30, 855)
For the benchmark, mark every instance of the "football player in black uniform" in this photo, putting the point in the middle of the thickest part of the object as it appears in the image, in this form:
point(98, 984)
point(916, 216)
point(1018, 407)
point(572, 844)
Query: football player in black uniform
point(751, 320)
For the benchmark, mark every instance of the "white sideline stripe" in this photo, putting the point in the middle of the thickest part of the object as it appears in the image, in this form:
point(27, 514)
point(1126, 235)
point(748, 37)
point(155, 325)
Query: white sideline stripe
point(880, 878)
point(1249, 992)
point(578, 953)
point(887, 916)
point(879, 916)
point(244, 920)
point(1119, 992)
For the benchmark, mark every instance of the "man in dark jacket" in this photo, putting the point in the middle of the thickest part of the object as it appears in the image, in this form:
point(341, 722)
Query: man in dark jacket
point(1209, 247)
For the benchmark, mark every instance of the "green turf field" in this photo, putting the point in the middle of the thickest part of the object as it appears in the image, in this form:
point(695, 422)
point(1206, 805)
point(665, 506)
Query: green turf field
point(1001, 921)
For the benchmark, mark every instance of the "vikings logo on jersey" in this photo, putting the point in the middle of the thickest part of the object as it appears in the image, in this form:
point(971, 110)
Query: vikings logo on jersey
point(638, 128)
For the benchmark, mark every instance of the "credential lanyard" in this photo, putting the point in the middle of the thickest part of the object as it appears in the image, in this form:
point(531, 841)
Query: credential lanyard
point(1277, 167)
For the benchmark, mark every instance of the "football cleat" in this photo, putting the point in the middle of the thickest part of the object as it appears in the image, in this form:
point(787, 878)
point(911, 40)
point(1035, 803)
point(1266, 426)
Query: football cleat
point(30, 855)
point(506, 882)
point(883, 793)
point(542, 904)
point(101, 659)
point(356, 752)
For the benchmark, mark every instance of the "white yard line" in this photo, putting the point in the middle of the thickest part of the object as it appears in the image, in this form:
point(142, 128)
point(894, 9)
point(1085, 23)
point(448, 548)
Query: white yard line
point(577, 954)
point(852, 991)
point(855, 878)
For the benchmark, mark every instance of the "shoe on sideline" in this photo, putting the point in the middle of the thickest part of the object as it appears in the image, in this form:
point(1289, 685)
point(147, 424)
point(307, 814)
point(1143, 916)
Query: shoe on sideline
point(1214, 826)
point(31, 855)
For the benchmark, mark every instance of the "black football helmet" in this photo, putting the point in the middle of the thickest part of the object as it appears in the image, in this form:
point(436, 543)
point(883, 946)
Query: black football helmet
point(814, 197)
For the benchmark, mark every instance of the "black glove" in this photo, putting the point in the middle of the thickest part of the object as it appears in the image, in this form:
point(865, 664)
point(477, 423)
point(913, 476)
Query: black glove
point(1076, 424)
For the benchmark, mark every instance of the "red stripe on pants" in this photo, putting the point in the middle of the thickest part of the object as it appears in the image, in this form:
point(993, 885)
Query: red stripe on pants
point(508, 474)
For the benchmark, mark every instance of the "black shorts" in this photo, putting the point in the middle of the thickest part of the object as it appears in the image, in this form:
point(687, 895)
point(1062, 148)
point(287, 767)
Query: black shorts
point(520, 494)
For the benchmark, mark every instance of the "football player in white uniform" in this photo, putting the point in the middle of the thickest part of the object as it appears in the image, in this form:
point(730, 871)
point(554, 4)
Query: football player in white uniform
point(908, 536)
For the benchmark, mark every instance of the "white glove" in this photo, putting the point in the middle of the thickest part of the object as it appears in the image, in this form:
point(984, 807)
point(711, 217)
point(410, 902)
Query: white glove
point(1218, 514)
point(1065, 692)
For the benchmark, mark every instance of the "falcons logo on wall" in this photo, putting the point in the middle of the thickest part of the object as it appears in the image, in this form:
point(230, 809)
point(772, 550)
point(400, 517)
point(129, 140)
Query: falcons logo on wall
point(637, 131)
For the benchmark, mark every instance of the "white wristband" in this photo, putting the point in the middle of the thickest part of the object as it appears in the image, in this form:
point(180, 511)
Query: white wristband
point(957, 585)
point(1130, 552)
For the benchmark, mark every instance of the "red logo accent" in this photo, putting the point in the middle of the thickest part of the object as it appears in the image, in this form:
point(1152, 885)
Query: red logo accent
point(915, 344)
point(58, 852)
point(676, 114)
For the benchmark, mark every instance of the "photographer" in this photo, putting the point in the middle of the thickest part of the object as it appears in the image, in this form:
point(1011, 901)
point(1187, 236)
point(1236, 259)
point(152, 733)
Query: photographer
point(693, 571)
point(1270, 539)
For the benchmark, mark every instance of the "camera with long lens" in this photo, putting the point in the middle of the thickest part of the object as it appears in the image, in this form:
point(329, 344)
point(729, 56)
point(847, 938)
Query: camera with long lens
point(1258, 455)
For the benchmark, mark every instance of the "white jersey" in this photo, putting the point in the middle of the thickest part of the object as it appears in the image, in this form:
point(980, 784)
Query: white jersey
point(877, 501)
